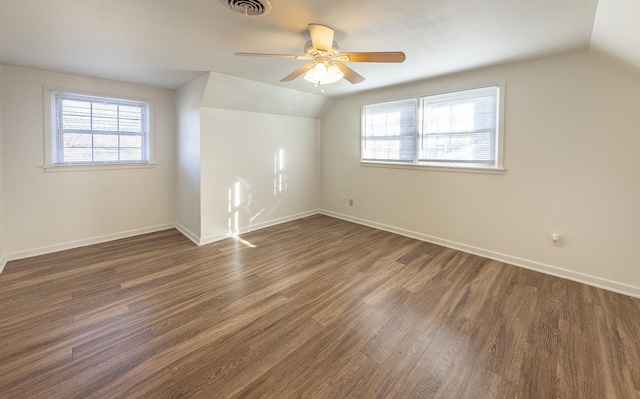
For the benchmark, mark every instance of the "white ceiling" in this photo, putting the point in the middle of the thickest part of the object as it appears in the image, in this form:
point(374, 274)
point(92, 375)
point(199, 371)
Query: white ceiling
point(167, 43)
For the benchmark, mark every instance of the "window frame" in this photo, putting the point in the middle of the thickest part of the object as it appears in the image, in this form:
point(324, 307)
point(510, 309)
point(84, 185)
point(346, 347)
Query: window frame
point(464, 166)
point(50, 134)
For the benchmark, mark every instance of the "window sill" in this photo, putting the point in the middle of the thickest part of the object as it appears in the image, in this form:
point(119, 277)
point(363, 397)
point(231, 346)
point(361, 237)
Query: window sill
point(434, 167)
point(95, 167)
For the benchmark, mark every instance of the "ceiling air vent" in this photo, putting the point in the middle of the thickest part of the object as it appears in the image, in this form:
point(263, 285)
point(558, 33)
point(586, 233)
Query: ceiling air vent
point(251, 8)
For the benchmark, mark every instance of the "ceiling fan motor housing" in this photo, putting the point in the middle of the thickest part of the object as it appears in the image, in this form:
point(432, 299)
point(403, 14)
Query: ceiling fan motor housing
point(311, 51)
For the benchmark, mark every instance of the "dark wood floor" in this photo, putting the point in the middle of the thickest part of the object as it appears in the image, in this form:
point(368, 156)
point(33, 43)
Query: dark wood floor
point(315, 308)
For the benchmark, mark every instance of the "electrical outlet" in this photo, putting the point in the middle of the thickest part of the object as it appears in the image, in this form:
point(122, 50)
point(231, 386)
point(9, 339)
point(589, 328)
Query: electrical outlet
point(350, 202)
point(556, 240)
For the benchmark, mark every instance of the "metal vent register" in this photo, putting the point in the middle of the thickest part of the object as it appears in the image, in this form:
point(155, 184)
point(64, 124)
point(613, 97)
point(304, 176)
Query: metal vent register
point(251, 8)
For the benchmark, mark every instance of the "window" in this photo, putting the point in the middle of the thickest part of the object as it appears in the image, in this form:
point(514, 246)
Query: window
point(97, 130)
point(458, 129)
point(390, 131)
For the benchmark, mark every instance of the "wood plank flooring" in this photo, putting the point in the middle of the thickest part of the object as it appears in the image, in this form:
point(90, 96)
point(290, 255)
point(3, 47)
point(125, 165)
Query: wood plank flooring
point(315, 308)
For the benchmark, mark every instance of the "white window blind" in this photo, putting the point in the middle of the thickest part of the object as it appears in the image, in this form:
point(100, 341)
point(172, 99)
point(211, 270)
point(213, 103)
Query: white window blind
point(389, 131)
point(460, 127)
point(89, 129)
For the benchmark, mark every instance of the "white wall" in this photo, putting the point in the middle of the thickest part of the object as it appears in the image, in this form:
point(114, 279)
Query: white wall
point(50, 211)
point(261, 142)
point(258, 141)
point(2, 223)
point(571, 155)
point(271, 161)
point(188, 215)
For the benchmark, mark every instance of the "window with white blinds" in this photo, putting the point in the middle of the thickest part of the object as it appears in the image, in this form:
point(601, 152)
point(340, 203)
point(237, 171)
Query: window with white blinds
point(460, 127)
point(389, 131)
point(98, 130)
point(457, 129)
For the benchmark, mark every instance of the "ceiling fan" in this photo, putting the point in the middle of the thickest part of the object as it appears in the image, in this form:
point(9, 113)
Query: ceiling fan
point(327, 65)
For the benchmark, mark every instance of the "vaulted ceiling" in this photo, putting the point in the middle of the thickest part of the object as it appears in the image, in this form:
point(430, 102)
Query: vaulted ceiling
point(167, 43)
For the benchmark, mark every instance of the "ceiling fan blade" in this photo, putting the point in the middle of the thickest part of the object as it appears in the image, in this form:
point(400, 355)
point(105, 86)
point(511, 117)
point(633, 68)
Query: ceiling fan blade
point(321, 37)
point(297, 57)
point(349, 74)
point(385, 56)
point(297, 72)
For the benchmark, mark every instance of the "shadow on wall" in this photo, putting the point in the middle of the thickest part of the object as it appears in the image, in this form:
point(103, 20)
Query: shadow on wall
point(240, 196)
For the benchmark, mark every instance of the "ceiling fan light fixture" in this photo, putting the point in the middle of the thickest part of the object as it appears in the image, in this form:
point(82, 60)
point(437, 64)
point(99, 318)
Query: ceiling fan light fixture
point(323, 73)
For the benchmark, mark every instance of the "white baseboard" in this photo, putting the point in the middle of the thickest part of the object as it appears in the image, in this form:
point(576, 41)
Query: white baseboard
point(258, 226)
point(88, 241)
point(588, 279)
point(116, 236)
point(188, 233)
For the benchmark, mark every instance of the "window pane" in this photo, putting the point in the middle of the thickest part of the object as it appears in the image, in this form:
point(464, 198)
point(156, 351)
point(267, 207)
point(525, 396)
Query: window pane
point(77, 155)
point(89, 129)
point(105, 110)
point(130, 112)
point(75, 122)
point(460, 126)
point(130, 141)
point(76, 107)
point(105, 154)
point(130, 118)
point(459, 146)
point(390, 131)
point(105, 124)
point(130, 154)
point(449, 117)
point(131, 125)
point(105, 140)
point(77, 140)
